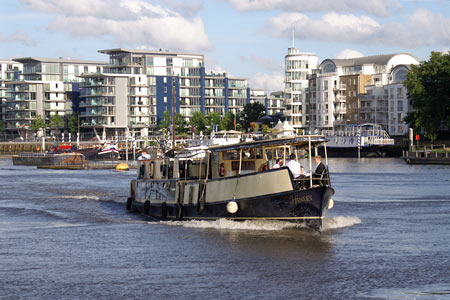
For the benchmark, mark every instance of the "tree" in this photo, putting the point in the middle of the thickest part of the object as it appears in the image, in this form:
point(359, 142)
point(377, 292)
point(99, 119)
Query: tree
point(211, 120)
point(428, 87)
point(72, 122)
point(198, 120)
point(56, 122)
point(2, 128)
point(38, 123)
point(181, 126)
point(251, 113)
point(228, 122)
point(166, 121)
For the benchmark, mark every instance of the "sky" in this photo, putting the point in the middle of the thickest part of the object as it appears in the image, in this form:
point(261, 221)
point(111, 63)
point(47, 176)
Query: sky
point(244, 38)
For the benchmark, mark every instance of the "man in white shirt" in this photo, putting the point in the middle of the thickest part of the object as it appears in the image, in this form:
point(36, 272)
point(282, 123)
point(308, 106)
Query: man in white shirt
point(294, 166)
point(144, 156)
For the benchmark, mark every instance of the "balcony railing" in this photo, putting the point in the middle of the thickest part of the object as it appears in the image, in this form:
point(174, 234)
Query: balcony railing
point(341, 110)
point(340, 87)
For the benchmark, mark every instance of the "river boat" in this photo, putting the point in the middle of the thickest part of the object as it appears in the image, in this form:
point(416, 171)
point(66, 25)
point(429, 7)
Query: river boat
point(358, 140)
point(104, 152)
point(48, 159)
point(234, 182)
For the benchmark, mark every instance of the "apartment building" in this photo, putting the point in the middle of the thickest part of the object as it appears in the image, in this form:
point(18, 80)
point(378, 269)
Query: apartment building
point(137, 86)
point(298, 65)
point(337, 93)
point(9, 71)
point(388, 104)
point(46, 87)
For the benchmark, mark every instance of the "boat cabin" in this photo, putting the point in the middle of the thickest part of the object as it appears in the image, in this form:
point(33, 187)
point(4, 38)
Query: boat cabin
point(215, 162)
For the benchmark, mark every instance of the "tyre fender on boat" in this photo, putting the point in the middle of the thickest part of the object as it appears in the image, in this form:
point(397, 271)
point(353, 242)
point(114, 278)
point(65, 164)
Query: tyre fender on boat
point(164, 210)
point(129, 203)
point(147, 207)
point(179, 214)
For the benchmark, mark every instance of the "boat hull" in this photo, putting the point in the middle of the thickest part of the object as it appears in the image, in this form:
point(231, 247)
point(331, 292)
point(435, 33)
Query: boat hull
point(45, 159)
point(300, 206)
point(367, 151)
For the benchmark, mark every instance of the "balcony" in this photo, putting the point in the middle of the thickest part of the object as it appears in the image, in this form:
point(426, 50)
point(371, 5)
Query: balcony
point(96, 103)
point(340, 87)
point(366, 109)
point(100, 112)
point(340, 110)
point(340, 98)
point(367, 97)
point(383, 109)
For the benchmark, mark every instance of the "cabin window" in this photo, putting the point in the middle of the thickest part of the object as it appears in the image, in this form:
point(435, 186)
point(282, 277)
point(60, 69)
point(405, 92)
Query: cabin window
point(231, 155)
point(245, 165)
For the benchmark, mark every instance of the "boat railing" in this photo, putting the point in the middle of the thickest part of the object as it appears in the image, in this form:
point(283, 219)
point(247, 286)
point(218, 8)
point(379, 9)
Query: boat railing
point(304, 182)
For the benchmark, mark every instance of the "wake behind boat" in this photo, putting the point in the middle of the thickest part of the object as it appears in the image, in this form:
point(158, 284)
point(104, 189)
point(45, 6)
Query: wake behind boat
point(233, 182)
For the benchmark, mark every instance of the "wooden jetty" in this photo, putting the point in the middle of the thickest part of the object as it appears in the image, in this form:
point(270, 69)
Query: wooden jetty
point(428, 154)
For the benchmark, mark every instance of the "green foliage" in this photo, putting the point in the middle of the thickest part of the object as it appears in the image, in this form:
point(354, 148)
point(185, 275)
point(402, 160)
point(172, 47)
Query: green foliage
point(211, 120)
point(38, 123)
point(2, 128)
point(265, 128)
point(72, 122)
point(56, 122)
point(228, 122)
point(166, 121)
point(181, 126)
point(198, 120)
point(428, 87)
point(251, 113)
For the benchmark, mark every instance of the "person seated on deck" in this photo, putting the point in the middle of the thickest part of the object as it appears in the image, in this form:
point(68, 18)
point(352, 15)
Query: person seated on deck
point(304, 178)
point(293, 166)
point(279, 164)
point(320, 171)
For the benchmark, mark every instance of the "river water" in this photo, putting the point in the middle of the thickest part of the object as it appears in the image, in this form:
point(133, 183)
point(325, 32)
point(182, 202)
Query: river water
point(66, 235)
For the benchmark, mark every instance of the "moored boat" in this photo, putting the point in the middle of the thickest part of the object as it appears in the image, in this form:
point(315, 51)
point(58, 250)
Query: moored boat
point(48, 159)
point(233, 182)
point(104, 152)
point(365, 140)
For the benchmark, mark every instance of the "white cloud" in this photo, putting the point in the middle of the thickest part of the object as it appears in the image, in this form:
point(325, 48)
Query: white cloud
point(267, 81)
point(128, 22)
point(17, 37)
point(375, 7)
point(422, 28)
point(349, 53)
point(212, 66)
point(268, 63)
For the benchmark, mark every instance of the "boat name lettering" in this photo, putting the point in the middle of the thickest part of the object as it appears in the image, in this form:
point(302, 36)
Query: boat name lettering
point(300, 199)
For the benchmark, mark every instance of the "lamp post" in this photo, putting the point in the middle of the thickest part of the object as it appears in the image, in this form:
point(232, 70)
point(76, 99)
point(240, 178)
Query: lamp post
point(78, 130)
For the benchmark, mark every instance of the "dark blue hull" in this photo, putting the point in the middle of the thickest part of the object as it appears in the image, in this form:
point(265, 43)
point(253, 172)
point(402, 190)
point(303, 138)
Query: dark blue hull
point(300, 206)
